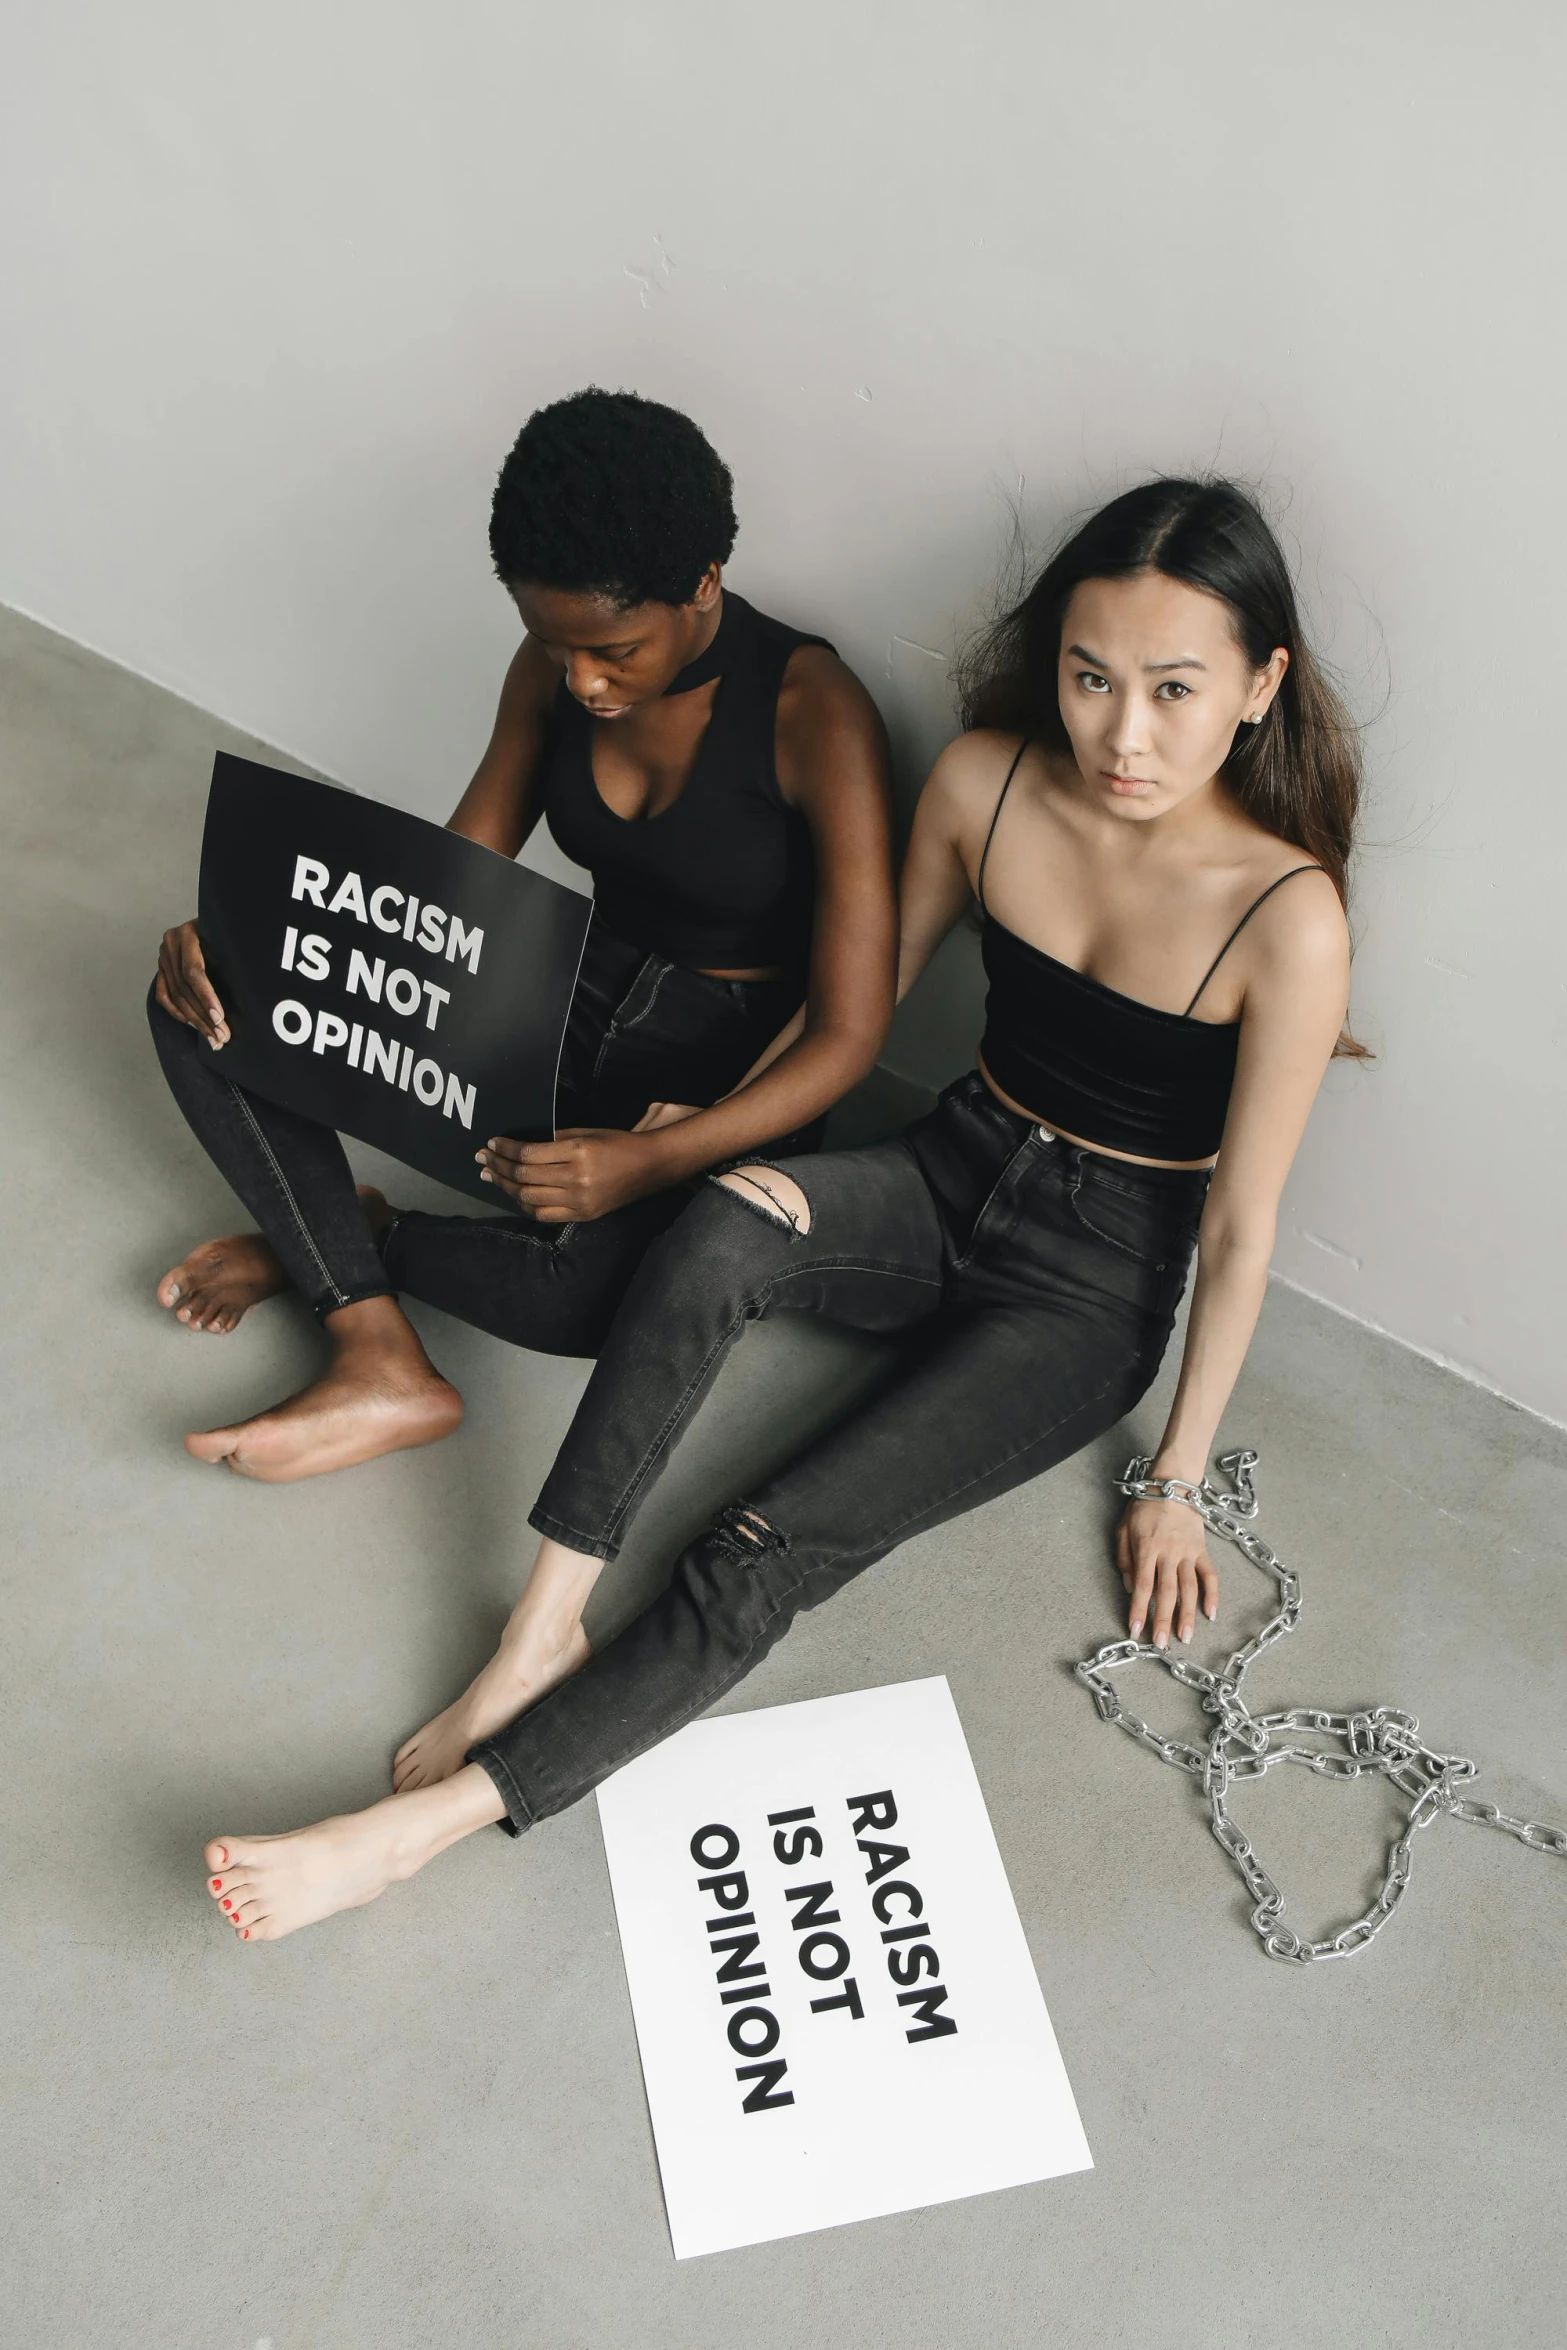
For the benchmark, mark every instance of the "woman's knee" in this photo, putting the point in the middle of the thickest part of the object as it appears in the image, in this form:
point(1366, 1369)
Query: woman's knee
point(740, 1581)
point(779, 1198)
point(715, 1250)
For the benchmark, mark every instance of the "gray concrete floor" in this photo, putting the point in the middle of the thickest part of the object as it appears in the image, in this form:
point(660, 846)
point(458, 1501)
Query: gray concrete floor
point(423, 2124)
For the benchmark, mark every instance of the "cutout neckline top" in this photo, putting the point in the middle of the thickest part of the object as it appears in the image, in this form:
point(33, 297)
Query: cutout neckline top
point(684, 683)
point(719, 655)
point(709, 663)
point(1123, 1074)
point(723, 877)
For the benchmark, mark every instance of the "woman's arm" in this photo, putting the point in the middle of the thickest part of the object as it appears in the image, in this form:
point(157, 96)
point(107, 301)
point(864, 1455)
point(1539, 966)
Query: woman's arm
point(936, 888)
point(832, 766)
point(933, 893)
point(1296, 992)
point(501, 806)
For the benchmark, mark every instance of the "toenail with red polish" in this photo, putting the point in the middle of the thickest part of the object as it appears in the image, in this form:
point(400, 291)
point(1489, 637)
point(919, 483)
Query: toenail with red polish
point(247, 1933)
point(227, 1903)
point(217, 1884)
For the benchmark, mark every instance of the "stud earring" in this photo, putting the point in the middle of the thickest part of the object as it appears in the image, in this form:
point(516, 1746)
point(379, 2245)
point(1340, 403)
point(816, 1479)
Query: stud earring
point(1257, 720)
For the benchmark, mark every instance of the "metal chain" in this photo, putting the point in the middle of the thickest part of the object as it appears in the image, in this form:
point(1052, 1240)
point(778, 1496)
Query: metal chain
point(1378, 1740)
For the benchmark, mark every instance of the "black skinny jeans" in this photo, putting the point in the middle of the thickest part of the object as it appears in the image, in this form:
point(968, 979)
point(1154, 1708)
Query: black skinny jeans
point(641, 1030)
point(1037, 1283)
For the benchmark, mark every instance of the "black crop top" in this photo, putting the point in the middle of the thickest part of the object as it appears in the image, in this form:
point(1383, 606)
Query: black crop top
point(723, 878)
point(1119, 1073)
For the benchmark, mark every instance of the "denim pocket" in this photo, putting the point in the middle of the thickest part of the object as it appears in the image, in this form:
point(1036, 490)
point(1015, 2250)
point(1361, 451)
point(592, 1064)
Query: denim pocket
point(1142, 1225)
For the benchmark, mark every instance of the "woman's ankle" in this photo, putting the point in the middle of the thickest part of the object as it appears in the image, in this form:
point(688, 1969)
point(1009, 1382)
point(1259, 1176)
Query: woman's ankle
point(547, 1620)
point(432, 1819)
point(540, 1636)
point(371, 1325)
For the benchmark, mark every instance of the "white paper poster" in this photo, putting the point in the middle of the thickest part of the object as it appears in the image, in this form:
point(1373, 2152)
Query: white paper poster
point(835, 2004)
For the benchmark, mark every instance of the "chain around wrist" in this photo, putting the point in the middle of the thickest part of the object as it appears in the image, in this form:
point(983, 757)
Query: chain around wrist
point(1138, 1482)
point(1190, 1491)
point(1158, 1471)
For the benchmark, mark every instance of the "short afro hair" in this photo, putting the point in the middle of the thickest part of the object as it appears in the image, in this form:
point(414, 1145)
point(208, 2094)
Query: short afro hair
point(612, 495)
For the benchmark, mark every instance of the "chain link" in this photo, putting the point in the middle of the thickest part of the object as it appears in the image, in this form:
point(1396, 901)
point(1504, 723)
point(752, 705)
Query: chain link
point(1378, 1740)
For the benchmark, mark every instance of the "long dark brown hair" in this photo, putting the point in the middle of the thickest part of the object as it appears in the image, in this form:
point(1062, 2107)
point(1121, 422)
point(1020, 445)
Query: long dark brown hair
point(1298, 773)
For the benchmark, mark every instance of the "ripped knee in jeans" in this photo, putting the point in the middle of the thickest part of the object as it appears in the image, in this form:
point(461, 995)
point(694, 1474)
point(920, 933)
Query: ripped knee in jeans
point(770, 1194)
point(746, 1532)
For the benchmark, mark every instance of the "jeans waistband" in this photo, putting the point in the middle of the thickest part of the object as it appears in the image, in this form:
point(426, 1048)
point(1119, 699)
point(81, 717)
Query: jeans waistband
point(971, 1095)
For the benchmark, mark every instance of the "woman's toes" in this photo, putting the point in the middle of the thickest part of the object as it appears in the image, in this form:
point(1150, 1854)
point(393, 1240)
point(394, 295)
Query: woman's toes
point(216, 1855)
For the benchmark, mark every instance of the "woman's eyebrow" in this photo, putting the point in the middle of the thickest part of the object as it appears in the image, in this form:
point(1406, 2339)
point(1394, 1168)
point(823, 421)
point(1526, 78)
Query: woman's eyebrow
point(1150, 668)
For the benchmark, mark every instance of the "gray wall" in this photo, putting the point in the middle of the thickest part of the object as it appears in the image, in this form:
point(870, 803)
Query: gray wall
point(283, 284)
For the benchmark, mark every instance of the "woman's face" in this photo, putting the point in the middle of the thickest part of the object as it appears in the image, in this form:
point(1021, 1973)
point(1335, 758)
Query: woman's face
point(1153, 686)
point(614, 660)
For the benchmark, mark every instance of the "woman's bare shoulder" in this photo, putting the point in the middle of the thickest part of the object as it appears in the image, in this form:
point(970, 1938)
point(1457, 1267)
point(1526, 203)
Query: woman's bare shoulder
point(822, 703)
point(1260, 863)
point(968, 776)
point(1300, 926)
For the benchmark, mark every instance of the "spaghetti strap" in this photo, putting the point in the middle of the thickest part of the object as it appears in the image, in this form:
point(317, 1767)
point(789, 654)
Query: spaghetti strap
point(1241, 924)
point(979, 883)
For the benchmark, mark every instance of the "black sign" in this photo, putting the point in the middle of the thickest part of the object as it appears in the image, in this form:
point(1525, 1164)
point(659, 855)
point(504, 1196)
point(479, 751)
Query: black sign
point(381, 974)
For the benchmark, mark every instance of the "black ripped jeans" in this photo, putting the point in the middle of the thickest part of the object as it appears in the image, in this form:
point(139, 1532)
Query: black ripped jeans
point(641, 1030)
point(1036, 1284)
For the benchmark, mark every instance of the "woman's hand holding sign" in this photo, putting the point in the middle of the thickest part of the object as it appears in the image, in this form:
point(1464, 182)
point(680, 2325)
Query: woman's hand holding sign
point(183, 986)
point(584, 1173)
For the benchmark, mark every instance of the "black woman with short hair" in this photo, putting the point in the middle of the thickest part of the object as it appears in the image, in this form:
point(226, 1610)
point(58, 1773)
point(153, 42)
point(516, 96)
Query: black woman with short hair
point(723, 778)
point(1153, 811)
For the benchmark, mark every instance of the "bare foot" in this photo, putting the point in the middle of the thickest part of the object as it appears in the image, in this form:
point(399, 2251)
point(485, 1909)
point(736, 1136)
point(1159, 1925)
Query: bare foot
point(220, 1281)
point(526, 1666)
point(382, 1394)
point(267, 1886)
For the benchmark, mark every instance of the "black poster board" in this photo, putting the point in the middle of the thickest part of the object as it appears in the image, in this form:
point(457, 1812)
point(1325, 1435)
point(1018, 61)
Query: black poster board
point(381, 974)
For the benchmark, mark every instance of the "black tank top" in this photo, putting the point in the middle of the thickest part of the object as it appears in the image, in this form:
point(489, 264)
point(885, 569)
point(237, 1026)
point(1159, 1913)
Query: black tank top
point(723, 879)
point(1119, 1073)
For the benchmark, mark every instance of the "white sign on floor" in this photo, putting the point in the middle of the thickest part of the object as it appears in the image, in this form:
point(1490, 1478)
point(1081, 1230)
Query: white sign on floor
point(836, 2008)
